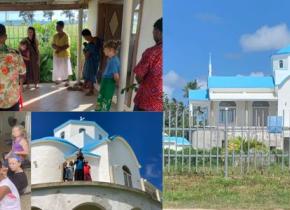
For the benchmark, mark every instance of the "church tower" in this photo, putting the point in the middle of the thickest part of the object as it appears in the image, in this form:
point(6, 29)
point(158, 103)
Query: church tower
point(281, 65)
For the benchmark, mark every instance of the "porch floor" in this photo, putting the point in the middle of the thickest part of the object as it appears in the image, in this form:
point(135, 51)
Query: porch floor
point(52, 97)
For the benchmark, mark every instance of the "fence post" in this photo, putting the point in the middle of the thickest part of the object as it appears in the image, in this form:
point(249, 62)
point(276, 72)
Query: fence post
point(226, 145)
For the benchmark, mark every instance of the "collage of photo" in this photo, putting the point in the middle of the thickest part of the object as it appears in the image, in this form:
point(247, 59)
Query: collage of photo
point(96, 113)
point(80, 87)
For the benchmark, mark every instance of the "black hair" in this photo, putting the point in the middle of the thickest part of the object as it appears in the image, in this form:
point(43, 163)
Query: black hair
point(86, 32)
point(34, 33)
point(2, 30)
point(158, 25)
point(60, 23)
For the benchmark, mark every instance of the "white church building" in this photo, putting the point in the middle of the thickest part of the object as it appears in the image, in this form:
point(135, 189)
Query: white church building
point(115, 170)
point(249, 100)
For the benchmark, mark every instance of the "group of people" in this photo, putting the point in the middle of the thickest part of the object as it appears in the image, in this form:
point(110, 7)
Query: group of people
point(23, 65)
point(78, 170)
point(13, 180)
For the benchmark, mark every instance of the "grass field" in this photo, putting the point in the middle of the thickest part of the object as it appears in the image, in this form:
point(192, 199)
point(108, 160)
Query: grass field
point(246, 192)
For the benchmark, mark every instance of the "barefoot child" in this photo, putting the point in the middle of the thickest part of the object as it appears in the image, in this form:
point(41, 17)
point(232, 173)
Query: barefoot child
point(9, 197)
point(17, 175)
point(19, 145)
point(110, 77)
point(23, 48)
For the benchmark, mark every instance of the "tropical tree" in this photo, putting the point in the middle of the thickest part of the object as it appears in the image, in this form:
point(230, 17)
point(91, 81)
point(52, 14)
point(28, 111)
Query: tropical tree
point(27, 16)
point(69, 14)
point(192, 85)
point(48, 14)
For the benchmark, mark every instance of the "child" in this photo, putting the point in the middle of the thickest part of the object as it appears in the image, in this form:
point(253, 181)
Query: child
point(64, 167)
point(18, 177)
point(70, 171)
point(87, 172)
point(92, 57)
point(19, 145)
point(9, 197)
point(110, 77)
point(23, 48)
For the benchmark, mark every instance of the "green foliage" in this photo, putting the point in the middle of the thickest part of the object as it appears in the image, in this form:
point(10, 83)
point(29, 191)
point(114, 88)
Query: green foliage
point(45, 33)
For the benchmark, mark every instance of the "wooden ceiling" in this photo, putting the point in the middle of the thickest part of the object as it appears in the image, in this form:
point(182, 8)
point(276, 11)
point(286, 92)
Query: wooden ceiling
point(30, 5)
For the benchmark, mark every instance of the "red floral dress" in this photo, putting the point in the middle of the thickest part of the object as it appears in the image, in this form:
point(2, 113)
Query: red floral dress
point(11, 67)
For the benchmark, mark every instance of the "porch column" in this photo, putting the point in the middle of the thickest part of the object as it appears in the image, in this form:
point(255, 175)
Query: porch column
point(125, 44)
point(93, 16)
point(79, 49)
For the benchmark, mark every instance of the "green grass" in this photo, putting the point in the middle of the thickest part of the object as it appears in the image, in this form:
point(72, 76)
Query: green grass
point(237, 192)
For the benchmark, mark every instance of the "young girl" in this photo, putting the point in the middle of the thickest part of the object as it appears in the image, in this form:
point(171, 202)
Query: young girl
point(18, 177)
point(23, 48)
point(87, 171)
point(19, 145)
point(9, 197)
point(110, 77)
point(70, 171)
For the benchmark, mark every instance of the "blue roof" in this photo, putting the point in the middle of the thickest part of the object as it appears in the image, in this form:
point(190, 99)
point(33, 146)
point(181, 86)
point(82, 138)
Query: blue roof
point(240, 82)
point(175, 139)
point(198, 95)
point(54, 139)
point(284, 50)
point(85, 153)
point(91, 146)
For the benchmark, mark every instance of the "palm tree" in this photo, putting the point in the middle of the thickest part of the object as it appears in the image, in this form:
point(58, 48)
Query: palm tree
point(27, 16)
point(193, 85)
point(69, 14)
point(48, 14)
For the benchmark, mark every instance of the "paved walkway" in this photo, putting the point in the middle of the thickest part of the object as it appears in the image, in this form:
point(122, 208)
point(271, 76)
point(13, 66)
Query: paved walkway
point(51, 97)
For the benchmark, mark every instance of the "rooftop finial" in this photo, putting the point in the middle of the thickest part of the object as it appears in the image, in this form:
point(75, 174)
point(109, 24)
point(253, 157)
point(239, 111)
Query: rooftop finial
point(82, 118)
point(209, 66)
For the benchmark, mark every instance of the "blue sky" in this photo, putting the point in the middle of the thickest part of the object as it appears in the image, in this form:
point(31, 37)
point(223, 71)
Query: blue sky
point(241, 35)
point(143, 131)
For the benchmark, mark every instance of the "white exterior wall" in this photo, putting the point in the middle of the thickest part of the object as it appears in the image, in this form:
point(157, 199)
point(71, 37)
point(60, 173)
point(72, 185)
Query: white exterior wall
point(241, 117)
point(152, 11)
point(104, 169)
point(284, 102)
point(106, 198)
point(280, 74)
point(67, 131)
point(120, 155)
point(46, 162)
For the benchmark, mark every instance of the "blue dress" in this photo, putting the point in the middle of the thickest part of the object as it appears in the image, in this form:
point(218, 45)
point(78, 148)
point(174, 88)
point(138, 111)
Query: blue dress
point(92, 63)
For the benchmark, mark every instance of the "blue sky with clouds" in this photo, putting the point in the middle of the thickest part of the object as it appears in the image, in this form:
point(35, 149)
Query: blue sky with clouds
point(241, 35)
point(143, 131)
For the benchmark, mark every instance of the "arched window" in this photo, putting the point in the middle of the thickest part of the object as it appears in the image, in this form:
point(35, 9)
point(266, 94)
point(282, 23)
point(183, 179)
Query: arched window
point(260, 113)
point(231, 113)
point(82, 130)
point(62, 135)
point(100, 136)
point(127, 176)
point(281, 64)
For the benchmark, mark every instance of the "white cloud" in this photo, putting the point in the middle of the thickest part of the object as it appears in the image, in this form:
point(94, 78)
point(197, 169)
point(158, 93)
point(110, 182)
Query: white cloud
point(254, 74)
point(171, 82)
point(151, 171)
point(266, 38)
point(208, 17)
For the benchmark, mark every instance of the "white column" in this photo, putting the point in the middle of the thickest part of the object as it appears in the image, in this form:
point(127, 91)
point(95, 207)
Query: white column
point(125, 44)
point(79, 52)
point(93, 16)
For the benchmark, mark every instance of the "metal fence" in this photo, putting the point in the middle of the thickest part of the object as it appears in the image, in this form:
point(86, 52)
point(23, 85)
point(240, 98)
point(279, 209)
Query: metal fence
point(196, 147)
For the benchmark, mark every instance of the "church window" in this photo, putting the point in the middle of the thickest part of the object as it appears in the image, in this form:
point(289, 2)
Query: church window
point(127, 176)
point(281, 64)
point(62, 135)
point(82, 130)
